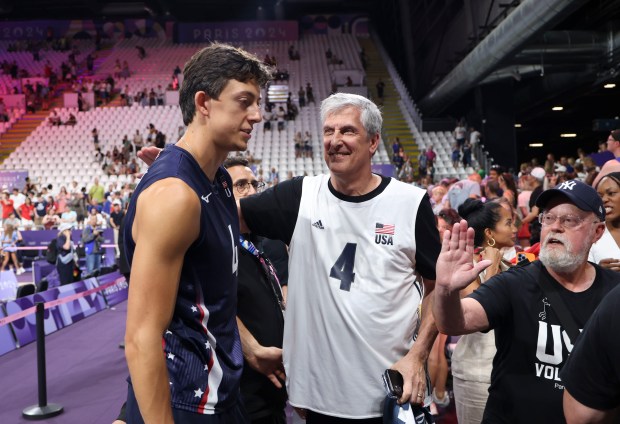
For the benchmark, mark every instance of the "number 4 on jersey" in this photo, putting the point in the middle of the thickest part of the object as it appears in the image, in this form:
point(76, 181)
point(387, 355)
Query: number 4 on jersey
point(343, 268)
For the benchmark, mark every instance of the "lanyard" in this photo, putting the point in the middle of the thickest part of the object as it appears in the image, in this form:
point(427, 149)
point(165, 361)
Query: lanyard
point(270, 272)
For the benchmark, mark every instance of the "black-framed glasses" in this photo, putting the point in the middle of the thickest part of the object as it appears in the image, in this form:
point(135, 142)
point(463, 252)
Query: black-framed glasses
point(244, 187)
point(566, 221)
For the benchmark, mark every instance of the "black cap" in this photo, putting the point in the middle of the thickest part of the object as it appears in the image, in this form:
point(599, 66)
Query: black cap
point(579, 193)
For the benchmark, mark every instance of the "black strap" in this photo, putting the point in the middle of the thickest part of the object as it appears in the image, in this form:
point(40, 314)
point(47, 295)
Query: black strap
point(550, 290)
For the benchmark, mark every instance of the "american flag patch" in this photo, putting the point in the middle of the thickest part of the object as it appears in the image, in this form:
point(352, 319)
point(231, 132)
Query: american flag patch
point(384, 229)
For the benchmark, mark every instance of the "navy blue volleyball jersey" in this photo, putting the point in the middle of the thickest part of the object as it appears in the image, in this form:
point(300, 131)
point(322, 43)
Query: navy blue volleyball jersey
point(202, 346)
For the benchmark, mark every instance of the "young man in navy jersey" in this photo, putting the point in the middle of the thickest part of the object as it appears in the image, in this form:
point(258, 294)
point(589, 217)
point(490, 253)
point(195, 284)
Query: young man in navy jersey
point(261, 296)
point(184, 276)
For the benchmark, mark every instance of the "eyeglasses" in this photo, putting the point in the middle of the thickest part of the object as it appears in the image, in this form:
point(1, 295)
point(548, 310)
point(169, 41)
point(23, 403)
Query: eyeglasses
point(566, 221)
point(243, 188)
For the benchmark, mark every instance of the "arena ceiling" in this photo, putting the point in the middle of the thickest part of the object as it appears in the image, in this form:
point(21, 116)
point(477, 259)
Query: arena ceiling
point(566, 63)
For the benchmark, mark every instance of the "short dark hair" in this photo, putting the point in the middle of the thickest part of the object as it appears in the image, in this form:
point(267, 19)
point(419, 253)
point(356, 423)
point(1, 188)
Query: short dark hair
point(211, 68)
point(235, 161)
point(449, 215)
point(493, 186)
point(480, 216)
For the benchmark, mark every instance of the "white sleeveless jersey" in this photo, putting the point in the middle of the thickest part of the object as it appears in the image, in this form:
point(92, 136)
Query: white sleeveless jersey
point(356, 261)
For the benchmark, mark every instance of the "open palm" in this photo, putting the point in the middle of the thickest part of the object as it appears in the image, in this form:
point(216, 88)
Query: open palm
point(455, 265)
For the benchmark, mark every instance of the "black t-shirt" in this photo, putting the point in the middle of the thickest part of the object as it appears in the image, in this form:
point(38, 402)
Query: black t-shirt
point(273, 214)
point(123, 265)
point(531, 344)
point(592, 373)
point(258, 309)
point(117, 217)
point(277, 253)
point(534, 196)
point(41, 208)
point(535, 226)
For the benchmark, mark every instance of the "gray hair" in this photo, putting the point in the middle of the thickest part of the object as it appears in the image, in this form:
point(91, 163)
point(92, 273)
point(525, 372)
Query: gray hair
point(370, 114)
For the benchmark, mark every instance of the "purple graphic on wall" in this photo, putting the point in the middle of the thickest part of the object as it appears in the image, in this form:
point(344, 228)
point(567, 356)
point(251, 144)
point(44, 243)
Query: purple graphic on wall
point(116, 293)
point(237, 31)
point(8, 285)
point(82, 307)
point(32, 30)
point(43, 237)
point(25, 328)
point(12, 179)
point(43, 269)
point(7, 342)
point(58, 316)
point(385, 170)
point(109, 256)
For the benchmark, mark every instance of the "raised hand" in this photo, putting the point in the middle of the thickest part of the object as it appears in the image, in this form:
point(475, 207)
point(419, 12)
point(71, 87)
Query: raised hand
point(455, 265)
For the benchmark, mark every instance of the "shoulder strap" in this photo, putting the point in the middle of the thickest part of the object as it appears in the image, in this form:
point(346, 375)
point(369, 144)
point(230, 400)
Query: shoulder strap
point(558, 305)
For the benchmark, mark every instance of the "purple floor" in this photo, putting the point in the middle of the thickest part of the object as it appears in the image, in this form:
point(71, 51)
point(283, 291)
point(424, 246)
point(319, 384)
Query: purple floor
point(86, 372)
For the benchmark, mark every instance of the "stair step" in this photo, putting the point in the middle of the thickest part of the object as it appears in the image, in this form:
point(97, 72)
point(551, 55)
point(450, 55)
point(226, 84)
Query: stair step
point(394, 123)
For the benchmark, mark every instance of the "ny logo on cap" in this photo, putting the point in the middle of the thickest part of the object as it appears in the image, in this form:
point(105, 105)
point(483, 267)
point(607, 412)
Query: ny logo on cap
point(567, 185)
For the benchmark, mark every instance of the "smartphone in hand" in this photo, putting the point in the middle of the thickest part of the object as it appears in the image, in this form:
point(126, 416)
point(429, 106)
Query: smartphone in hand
point(393, 383)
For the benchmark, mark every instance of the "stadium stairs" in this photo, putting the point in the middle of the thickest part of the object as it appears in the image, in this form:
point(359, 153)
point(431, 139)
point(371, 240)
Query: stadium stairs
point(10, 140)
point(394, 124)
point(102, 57)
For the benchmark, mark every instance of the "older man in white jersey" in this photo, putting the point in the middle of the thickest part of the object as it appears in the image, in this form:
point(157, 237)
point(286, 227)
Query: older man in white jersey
point(362, 261)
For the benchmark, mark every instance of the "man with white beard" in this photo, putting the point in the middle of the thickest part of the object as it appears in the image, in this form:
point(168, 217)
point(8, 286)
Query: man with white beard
point(532, 342)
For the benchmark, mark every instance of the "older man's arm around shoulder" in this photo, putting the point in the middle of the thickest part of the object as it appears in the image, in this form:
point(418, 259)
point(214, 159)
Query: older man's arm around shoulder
point(156, 269)
point(455, 271)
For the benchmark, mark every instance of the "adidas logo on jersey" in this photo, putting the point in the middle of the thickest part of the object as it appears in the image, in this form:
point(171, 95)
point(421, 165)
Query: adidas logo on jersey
point(318, 225)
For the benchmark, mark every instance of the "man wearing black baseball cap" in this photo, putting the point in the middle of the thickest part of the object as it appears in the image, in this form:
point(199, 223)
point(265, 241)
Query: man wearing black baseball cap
point(533, 339)
point(579, 193)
